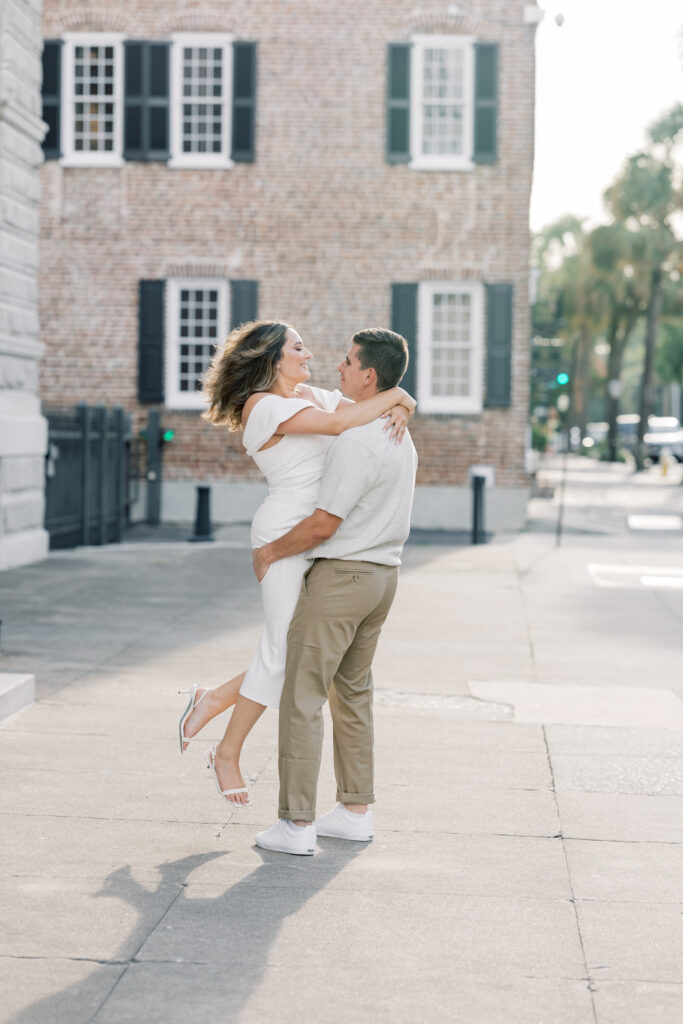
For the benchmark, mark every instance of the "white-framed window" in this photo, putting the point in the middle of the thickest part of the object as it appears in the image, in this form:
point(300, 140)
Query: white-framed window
point(197, 317)
point(201, 100)
point(442, 101)
point(92, 90)
point(450, 346)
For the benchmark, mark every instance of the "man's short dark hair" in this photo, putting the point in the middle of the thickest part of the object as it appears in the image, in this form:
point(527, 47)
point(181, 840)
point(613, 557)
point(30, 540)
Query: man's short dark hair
point(386, 352)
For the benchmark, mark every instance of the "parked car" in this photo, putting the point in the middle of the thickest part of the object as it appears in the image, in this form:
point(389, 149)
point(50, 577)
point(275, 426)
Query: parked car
point(664, 435)
point(627, 430)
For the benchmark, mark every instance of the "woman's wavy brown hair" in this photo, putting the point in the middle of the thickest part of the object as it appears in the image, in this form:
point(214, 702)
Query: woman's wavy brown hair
point(246, 363)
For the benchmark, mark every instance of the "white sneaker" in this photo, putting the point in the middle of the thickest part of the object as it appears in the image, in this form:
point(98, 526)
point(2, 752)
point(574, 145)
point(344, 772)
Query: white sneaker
point(285, 837)
point(340, 823)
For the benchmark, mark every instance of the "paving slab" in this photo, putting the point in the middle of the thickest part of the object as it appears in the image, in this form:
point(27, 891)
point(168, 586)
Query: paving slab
point(174, 992)
point(638, 1002)
point(618, 773)
point(290, 926)
point(108, 794)
point(422, 730)
point(404, 862)
point(113, 754)
point(74, 918)
point(17, 691)
point(625, 818)
point(632, 941)
point(648, 872)
point(595, 739)
point(476, 767)
point(53, 991)
point(78, 848)
point(459, 809)
point(567, 704)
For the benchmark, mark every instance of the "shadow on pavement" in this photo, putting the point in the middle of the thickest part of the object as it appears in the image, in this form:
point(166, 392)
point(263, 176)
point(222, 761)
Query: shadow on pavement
point(220, 940)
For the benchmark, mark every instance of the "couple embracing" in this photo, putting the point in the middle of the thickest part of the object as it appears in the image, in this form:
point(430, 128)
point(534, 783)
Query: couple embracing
point(327, 544)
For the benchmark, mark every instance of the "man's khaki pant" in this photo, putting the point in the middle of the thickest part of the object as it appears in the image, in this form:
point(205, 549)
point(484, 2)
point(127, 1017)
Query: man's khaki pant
point(330, 647)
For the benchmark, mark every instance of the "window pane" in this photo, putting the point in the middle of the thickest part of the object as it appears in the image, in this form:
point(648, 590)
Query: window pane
point(93, 77)
point(443, 74)
point(202, 129)
point(451, 344)
point(198, 315)
point(443, 87)
point(442, 129)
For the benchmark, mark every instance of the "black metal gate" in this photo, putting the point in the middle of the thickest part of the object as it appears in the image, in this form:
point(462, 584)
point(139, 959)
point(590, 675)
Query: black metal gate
point(86, 489)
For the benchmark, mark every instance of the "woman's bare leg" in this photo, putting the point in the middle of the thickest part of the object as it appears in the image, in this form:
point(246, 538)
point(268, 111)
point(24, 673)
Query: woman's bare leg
point(219, 699)
point(227, 758)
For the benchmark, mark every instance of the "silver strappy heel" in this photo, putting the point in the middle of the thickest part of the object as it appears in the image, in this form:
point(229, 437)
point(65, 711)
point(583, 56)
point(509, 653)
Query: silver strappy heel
point(186, 714)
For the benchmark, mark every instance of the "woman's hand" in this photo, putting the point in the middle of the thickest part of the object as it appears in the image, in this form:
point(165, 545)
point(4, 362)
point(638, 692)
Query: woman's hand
point(408, 402)
point(397, 421)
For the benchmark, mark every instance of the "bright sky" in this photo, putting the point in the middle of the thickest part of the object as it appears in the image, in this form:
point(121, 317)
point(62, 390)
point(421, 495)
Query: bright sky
point(601, 78)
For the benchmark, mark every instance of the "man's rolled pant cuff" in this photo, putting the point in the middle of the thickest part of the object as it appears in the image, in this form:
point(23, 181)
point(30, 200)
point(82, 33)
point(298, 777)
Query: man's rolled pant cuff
point(297, 815)
point(355, 798)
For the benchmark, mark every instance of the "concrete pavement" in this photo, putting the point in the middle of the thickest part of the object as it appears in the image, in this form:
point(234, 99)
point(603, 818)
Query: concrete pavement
point(528, 862)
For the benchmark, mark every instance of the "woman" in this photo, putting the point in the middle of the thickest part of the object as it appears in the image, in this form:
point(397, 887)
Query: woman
point(257, 382)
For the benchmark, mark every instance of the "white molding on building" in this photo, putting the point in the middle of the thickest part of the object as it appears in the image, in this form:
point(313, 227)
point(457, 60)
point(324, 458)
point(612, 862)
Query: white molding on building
point(23, 430)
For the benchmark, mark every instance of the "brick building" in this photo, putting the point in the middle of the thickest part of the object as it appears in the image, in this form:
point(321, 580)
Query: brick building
point(23, 431)
point(332, 165)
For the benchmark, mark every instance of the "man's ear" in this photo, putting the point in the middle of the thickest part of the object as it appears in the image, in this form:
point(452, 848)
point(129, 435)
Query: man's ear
point(371, 376)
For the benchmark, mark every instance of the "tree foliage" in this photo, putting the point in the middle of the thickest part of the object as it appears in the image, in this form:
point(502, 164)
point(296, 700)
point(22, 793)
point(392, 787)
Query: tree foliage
point(604, 280)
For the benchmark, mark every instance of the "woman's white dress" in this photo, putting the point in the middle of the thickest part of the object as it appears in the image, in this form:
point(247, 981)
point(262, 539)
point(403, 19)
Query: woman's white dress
point(292, 469)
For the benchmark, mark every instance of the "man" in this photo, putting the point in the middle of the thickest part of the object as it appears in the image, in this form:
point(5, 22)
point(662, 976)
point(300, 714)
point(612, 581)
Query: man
point(355, 538)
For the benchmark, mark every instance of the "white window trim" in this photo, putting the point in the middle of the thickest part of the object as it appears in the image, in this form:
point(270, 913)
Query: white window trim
point(174, 397)
point(71, 157)
point(181, 160)
point(426, 401)
point(436, 162)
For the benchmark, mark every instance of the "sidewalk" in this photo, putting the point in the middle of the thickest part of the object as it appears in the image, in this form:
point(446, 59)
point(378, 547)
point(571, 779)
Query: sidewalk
point(528, 859)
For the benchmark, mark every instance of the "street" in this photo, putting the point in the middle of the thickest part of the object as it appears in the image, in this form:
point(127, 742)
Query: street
point(528, 855)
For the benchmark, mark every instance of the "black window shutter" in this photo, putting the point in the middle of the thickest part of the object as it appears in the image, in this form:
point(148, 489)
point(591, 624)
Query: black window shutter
point(151, 342)
point(243, 302)
point(146, 108)
point(244, 103)
point(404, 321)
point(398, 103)
point(485, 103)
point(51, 93)
point(498, 345)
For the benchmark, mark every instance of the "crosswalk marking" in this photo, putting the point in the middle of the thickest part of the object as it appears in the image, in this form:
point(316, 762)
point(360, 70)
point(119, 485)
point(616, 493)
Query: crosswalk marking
point(672, 582)
point(637, 576)
point(654, 522)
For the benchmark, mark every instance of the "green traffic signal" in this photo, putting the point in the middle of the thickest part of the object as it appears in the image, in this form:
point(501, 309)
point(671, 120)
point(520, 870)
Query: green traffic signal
point(168, 435)
point(562, 378)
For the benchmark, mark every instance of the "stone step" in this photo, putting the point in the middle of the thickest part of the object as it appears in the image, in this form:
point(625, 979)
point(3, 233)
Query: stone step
point(17, 691)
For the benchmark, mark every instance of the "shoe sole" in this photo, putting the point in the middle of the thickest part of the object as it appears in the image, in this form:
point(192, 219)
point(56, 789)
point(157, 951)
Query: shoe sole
point(279, 849)
point(354, 839)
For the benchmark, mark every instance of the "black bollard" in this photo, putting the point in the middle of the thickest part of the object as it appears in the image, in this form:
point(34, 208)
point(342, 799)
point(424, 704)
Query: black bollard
point(478, 532)
point(202, 521)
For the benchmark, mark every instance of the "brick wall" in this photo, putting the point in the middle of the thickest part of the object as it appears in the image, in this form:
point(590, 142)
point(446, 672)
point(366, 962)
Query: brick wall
point(320, 219)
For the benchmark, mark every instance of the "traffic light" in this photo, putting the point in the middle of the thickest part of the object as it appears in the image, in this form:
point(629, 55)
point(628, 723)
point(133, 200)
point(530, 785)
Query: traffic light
point(562, 379)
point(168, 435)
